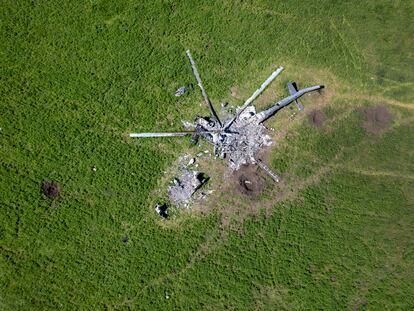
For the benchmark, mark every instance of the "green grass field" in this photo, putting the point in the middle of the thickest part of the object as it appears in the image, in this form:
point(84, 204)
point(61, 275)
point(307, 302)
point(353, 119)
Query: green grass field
point(77, 76)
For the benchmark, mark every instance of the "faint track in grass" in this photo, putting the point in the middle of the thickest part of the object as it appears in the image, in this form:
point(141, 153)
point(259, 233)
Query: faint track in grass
point(379, 100)
point(209, 245)
point(375, 173)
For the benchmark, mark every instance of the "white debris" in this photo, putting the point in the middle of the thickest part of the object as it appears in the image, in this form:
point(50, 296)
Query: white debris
point(242, 148)
point(180, 91)
point(247, 113)
point(187, 124)
point(183, 89)
point(267, 140)
point(185, 186)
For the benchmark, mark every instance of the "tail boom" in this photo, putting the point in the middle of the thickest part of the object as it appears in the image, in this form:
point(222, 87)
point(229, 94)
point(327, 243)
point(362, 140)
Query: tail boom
point(266, 114)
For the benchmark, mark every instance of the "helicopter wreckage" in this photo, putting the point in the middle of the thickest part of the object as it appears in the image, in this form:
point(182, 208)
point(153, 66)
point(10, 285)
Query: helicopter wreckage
point(237, 137)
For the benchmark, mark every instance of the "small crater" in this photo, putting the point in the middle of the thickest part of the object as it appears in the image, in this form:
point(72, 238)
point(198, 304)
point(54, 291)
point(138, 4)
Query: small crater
point(248, 180)
point(50, 189)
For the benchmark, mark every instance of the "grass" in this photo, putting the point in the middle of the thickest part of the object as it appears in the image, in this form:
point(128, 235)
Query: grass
point(76, 77)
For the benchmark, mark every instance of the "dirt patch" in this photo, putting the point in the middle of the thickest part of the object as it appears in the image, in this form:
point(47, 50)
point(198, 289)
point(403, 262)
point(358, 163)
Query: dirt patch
point(248, 181)
point(50, 189)
point(234, 92)
point(359, 304)
point(377, 119)
point(316, 118)
point(238, 196)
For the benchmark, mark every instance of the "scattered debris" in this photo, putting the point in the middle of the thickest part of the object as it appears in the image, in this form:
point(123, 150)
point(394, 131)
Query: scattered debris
point(161, 209)
point(251, 137)
point(125, 239)
point(94, 168)
point(203, 195)
point(182, 90)
point(185, 186)
point(187, 124)
point(50, 189)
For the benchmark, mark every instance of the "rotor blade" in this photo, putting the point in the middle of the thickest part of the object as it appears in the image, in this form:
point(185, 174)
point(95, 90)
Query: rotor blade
point(170, 134)
point(267, 170)
point(255, 95)
point(200, 84)
point(173, 134)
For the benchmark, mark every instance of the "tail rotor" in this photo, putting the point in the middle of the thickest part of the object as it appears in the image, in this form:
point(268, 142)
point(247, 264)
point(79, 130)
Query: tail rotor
point(293, 89)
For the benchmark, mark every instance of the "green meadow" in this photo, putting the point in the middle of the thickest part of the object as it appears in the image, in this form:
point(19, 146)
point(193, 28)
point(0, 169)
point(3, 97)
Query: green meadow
point(77, 76)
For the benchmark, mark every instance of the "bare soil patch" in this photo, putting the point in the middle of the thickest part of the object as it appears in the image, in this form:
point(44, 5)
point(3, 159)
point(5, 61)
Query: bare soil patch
point(234, 92)
point(359, 304)
point(238, 196)
point(50, 189)
point(316, 118)
point(377, 119)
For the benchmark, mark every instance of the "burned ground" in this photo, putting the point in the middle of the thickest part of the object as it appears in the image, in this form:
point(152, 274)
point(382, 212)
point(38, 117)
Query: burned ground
point(316, 118)
point(51, 189)
point(377, 119)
